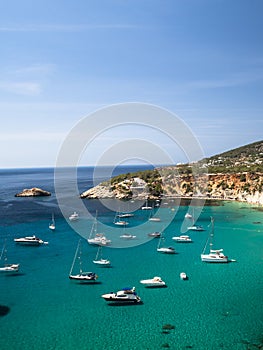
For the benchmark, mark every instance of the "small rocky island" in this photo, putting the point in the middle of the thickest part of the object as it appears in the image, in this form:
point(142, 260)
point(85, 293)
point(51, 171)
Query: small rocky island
point(33, 192)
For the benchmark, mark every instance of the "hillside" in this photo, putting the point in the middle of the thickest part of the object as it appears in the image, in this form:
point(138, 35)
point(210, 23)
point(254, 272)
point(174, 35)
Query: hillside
point(233, 175)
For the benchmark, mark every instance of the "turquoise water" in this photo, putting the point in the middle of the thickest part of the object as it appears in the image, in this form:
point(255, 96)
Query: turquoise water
point(220, 306)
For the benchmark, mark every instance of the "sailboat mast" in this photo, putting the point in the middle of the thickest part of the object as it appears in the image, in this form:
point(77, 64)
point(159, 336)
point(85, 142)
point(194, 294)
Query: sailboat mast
point(3, 249)
point(75, 257)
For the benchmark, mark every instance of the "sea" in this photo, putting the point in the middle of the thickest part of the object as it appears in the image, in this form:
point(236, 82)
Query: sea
point(219, 306)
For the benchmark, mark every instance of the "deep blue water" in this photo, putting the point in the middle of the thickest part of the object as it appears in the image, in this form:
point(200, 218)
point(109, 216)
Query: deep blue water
point(220, 306)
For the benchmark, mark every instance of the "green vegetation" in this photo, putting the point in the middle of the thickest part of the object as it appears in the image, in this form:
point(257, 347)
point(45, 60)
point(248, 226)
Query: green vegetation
point(243, 164)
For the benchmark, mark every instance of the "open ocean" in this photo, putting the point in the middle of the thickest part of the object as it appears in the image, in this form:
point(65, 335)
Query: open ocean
point(220, 306)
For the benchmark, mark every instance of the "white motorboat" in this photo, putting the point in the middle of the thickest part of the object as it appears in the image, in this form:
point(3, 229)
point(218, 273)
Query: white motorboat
point(188, 216)
point(182, 239)
point(126, 295)
point(74, 216)
point(52, 225)
point(81, 275)
point(165, 250)
point(121, 223)
point(125, 215)
point(155, 219)
point(196, 228)
point(99, 239)
point(214, 255)
point(127, 236)
point(183, 276)
point(153, 282)
point(99, 260)
point(8, 268)
point(30, 240)
point(154, 234)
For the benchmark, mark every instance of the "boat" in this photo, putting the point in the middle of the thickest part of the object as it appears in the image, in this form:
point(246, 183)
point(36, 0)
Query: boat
point(118, 221)
point(52, 225)
point(153, 282)
point(97, 238)
point(153, 218)
point(182, 239)
point(126, 295)
point(81, 275)
point(99, 260)
point(30, 240)
point(165, 250)
point(183, 276)
point(196, 228)
point(125, 215)
point(154, 234)
point(74, 216)
point(127, 236)
point(214, 255)
point(146, 207)
point(193, 227)
point(8, 268)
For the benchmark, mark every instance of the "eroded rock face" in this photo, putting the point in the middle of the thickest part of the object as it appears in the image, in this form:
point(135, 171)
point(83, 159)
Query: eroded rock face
point(33, 192)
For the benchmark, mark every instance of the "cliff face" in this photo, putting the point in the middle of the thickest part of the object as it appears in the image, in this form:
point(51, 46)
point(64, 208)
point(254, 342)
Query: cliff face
point(241, 187)
point(232, 175)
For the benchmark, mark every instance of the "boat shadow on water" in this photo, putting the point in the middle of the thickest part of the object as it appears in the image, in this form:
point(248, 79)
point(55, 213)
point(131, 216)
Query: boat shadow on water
point(15, 274)
point(123, 303)
point(86, 283)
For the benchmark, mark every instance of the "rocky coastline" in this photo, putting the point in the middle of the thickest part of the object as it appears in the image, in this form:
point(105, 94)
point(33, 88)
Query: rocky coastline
point(242, 187)
point(33, 192)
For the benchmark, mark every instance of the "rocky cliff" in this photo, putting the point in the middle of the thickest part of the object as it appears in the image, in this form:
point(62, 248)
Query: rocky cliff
point(241, 187)
point(33, 192)
point(232, 175)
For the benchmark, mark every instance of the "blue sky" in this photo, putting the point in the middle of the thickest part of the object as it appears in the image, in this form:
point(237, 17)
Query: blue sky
point(61, 60)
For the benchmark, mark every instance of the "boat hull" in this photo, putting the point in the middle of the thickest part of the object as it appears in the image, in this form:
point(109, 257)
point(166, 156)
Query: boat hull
point(115, 299)
point(31, 243)
point(214, 258)
point(152, 284)
point(12, 268)
point(84, 278)
point(165, 250)
point(102, 262)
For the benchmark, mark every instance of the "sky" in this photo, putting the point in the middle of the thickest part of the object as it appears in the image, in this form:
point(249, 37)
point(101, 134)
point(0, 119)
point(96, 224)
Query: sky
point(62, 60)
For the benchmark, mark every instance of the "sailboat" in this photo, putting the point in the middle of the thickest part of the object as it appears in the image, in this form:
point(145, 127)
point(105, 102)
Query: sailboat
point(97, 238)
point(99, 260)
point(146, 207)
point(153, 218)
point(193, 227)
point(118, 220)
point(214, 256)
point(165, 250)
point(52, 225)
point(8, 268)
point(81, 276)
